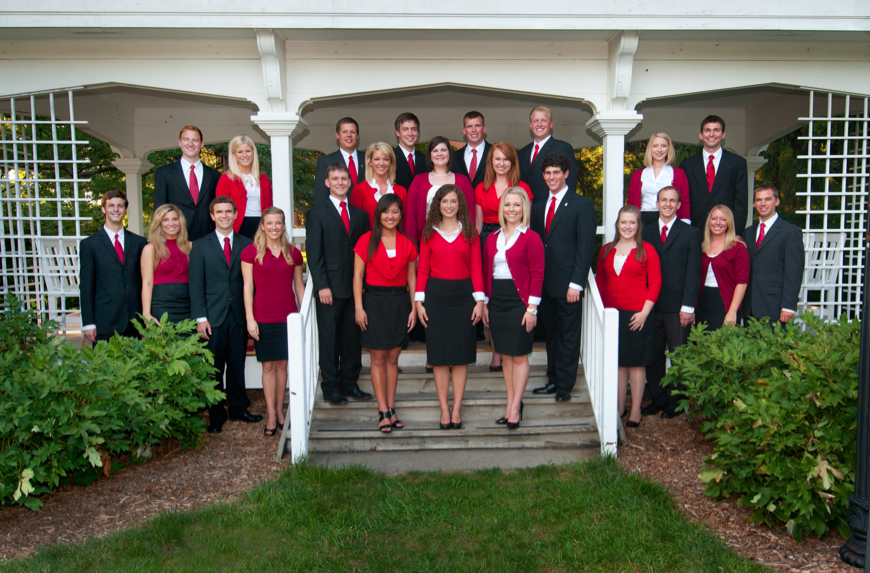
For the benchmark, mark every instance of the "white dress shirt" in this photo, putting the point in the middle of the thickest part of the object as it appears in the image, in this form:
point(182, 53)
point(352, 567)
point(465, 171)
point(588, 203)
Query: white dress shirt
point(559, 197)
point(221, 243)
point(111, 234)
point(337, 203)
point(469, 155)
point(684, 308)
point(618, 263)
point(347, 155)
point(252, 190)
point(197, 168)
point(540, 147)
point(717, 157)
point(500, 268)
point(377, 189)
point(710, 280)
point(651, 185)
point(431, 195)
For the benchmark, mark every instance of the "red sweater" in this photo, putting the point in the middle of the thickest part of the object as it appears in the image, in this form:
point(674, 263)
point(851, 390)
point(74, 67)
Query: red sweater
point(235, 190)
point(487, 200)
point(637, 283)
point(449, 261)
point(363, 197)
point(731, 268)
point(680, 182)
point(525, 259)
point(415, 210)
point(383, 270)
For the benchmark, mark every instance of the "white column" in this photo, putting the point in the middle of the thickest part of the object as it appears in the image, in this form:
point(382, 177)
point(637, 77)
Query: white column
point(753, 164)
point(612, 126)
point(133, 168)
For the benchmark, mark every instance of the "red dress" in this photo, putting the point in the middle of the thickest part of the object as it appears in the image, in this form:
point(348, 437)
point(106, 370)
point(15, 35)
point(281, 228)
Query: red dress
point(488, 200)
point(363, 197)
point(173, 269)
point(273, 284)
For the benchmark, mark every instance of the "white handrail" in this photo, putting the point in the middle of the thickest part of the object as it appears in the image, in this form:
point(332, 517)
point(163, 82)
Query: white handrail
point(302, 374)
point(599, 355)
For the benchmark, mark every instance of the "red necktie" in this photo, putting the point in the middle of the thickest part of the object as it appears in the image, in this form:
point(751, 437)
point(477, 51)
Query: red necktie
point(550, 212)
point(535, 154)
point(757, 242)
point(473, 169)
point(119, 249)
point(194, 185)
point(411, 164)
point(227, 249)
point(345, 217)
point(351, 166)
point(711, 174)
point(664, 234)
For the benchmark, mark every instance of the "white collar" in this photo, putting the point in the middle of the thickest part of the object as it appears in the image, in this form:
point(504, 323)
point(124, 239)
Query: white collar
point(716, 156)
point(406, 151)
point(336, 201)
point(186, 165)
point(377, 188)
point(670, 225)
point(222, 237)
point(769, 223)
point(452, 236)
point(345, 154)
point(649, 174)
point(501, 244)
point(559, 196)
point(479, 148)
point(543, 142)
point(112, 233)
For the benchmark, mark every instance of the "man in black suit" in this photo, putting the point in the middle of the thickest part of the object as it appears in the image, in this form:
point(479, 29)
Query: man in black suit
point(716, 177)
point(188, 184)
point(347, 134)
point(678, 245)
point(332, 230)
point(409, 161)
point(532, 156)
point(109, 274)
point(217, 302)
point(471, 159)
point(566, 223)
point(776, 259)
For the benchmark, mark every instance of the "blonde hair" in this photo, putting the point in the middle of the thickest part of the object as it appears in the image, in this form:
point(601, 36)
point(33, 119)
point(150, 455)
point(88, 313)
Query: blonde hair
point(157, 238)
point(287, 247)
point(233, 170)
point(730, 236)
point(386, 150)
point(524, 198)
point(544, 109)
point(647, 157)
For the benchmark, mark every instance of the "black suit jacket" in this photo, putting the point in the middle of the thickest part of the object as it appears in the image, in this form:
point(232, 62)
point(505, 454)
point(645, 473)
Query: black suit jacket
point(776, 270)
point(330, 247)
point(404, 178)
point(170, 186)
point(680, 258)
point(570, 245)
point(217, 289)
point(321, 191)
point(459, 164)
point(730, 188)
point(110, 292)
point(533, 175)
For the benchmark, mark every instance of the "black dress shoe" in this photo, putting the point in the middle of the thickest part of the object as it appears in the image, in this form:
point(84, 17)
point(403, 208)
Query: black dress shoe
point(632, 424)
point(357, 394)
point(501, 421)
point(498, 368)
point(335, 398)
point(247, 418)
point(670, 412)
point(216, 427)
point(550, 388)
point(652, 409)
point(562, 395)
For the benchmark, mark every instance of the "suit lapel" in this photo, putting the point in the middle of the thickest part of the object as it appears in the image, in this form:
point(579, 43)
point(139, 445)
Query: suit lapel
point(107, 243)
point(236, 252)
point(219, 249)
point(768, 234)
point(672, 235)
point(560, 209)
point(181, 181)
point(333, 213)
point(721, 173)
point(542, 153)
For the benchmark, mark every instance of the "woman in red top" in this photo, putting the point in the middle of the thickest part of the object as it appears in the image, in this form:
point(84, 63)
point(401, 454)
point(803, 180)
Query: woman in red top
point(513, 276)
point(724, 271)
point(380, 181)
point(629, 280)
point(450, 286)
point(659, 173)
point(246, 186)
point(272, 271)
point(164, 267)
point(387, 258)
point(425, 185)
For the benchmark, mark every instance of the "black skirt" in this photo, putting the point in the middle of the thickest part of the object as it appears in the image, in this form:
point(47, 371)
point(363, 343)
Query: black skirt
point(711, 309)
point(272, 345)
point(249, 227)
point(387, 309)
point(171, 298)
point(451, 339)
point(485, 231)
point(648, 218)
point(635, 346)
point(506, 311)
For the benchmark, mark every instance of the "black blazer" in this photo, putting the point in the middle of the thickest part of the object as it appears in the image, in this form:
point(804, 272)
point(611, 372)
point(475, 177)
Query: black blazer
point(480, 174)
point(680, 258)
point(403, 170)
point(321, 191)
point(110, 292)
point(730, 188)
point(170, 186)
point(330, 247)
point(570, 245)
point(533, 175)
point(217, 289)
point(776, 270)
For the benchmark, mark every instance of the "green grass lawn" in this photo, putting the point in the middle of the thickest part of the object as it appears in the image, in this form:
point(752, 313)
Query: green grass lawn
point(579, 517)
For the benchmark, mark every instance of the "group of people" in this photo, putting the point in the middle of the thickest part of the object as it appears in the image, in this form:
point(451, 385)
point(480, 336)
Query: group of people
point(434, 244)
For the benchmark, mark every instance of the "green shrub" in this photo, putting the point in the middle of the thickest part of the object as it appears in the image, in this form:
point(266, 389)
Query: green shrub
point(781, 408)
point(70, 414)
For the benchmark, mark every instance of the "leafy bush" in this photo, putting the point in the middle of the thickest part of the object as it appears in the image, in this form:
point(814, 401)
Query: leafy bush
point(70, 413)
point(780, 406)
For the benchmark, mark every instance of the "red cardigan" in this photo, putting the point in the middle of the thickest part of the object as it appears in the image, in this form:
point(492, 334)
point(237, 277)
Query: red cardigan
point(525, 259)
point(680, 182)
point(731, 268)
point(363, 197)
point(235, 190)
point(449, 261)
point(636, 284)
point(415, 210)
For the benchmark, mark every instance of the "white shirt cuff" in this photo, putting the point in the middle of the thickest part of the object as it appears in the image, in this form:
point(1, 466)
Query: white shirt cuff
point(420, 296)
point(89, 327)
point(789, 310)
point(486, 300)
point(536, 300)
point(688, 309)
point(479, 296)
point(575, 287)
point(203, 319)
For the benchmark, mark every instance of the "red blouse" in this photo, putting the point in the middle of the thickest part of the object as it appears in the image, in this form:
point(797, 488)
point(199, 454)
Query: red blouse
point(173, 269)
point(488, 200)
point(273, 284)
point(634, 285)
point(235, 190)
point(383, 270)
point(363, 197)
point(731, 268)
point(458, 260)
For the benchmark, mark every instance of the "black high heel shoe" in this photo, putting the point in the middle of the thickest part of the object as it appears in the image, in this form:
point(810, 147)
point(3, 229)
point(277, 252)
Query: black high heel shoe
point(521, 410)
point(632, 424)
point(398, 423)
point(513, 425)
point(446, 426)
point(455, 425)
point(384, 416)
point(501, 421)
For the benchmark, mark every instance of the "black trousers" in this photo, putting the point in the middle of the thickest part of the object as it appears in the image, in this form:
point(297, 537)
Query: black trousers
point(667, 335)
point(340, 350)
point(228, 342)
point(562, 322)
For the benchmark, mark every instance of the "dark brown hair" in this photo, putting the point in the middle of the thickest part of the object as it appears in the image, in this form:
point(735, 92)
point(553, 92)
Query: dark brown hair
point(345, 120)
point(713, 119)
point(221, 199)
point(767, 187)
point(436, 141)
point(433, 219)
point(639, 253)
point(385, 203)
point(114, 194)
point(407, 116)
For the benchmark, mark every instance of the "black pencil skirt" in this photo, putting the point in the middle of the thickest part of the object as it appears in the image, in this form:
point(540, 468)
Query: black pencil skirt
point(635, 346)
point(387, 309)
point(506, 311)
point(171, 298)
point(451, 339)
point(712, 310)
point(249, 227)
point(272, 345)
